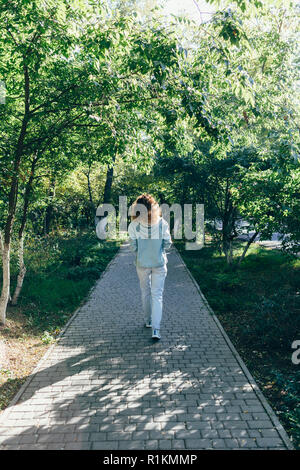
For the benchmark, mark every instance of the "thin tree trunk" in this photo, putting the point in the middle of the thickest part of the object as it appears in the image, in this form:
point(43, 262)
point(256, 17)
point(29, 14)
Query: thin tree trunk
point(107, 187)
point(247, 247)
point(227, 248)
point(1, 243)
point(226, 238)
point(92, 204)
point(90, 193)
point(108, 183)
point(49, 209)
point(5, 294)
point(22, 271)
point(110, 170)
point(228, 228)
point(22, 267)
point(2, 251)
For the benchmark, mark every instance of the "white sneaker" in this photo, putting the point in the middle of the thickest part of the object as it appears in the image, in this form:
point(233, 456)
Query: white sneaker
point(155, 334)
point(148, 323)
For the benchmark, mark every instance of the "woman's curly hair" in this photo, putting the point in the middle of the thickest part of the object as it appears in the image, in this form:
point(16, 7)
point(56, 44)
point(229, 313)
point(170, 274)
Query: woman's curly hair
point(151, 205)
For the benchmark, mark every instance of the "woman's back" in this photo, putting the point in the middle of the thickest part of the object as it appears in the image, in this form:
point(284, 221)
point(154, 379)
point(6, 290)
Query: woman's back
point(150, 241)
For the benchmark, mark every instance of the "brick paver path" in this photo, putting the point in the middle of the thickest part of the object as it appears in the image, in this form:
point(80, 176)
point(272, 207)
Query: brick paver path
point(107, 385)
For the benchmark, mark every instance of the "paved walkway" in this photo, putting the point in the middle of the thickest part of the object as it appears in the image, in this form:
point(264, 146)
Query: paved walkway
point(107, 385)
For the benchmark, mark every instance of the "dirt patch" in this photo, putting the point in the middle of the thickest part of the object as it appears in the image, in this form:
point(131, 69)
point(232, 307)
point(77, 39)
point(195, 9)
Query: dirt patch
point(20, 351)
point(3, 358)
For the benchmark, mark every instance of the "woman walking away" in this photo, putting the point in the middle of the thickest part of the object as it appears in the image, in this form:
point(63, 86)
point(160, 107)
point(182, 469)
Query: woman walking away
point(149, 237)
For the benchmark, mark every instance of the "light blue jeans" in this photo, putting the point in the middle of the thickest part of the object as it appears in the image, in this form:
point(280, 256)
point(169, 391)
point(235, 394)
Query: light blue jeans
point(152, 282)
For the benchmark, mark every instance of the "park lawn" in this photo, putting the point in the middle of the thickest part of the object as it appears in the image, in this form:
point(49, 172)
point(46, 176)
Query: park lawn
point(258, 305)
point(61, 270)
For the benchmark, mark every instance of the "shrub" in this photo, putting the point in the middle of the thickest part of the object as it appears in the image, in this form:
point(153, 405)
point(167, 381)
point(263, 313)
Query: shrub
point(274, 320)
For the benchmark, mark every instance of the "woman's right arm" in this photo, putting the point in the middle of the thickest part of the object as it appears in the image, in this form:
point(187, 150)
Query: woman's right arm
point(132, 237)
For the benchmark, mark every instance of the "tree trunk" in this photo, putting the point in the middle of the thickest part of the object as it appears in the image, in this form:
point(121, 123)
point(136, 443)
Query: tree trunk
point(1, 244)
point(90, 192)
point(49, 209)
point(227, 238)
point(22, 267)
point(5, 294)
point(247, 247)
point(110, 174)
point(22, 272)
point(107, 188)
point(108, 183)
point(228, 229)
point(227, 248)
point(92, 204)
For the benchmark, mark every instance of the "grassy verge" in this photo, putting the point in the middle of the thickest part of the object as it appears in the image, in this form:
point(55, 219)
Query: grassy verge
point(61, 270)
point(258, 306)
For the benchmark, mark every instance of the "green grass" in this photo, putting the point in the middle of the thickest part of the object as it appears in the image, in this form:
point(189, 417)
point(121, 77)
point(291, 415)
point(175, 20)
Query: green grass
point(258, 305)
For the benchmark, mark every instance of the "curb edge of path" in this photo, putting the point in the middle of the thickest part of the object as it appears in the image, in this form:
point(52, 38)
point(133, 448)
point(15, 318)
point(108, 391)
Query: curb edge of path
point(23, 388)
point(270, 412)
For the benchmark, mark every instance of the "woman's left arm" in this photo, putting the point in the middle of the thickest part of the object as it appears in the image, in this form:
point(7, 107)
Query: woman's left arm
point(132, 238)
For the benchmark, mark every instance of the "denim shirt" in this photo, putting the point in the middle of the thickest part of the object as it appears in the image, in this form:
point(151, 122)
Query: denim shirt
point(150, 243)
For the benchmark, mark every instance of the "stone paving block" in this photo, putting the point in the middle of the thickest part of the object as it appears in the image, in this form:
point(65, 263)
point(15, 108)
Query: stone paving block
point(268, 433)
point(264, 424)
point(268, 442)
point(155, 435)
point(119, 436)
point(218, 443)
point(131, 445)
point(28, 439)
point(29, 447)
point(231, 444)
point(188, 434)
point(78, 446)
point(223, 433)
point(177, 444)
point(164, 444)
point(151, 444)
point(107, 385)
point(50, 438)
point(247, 442)
point(105, 445)
point(198, 444)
